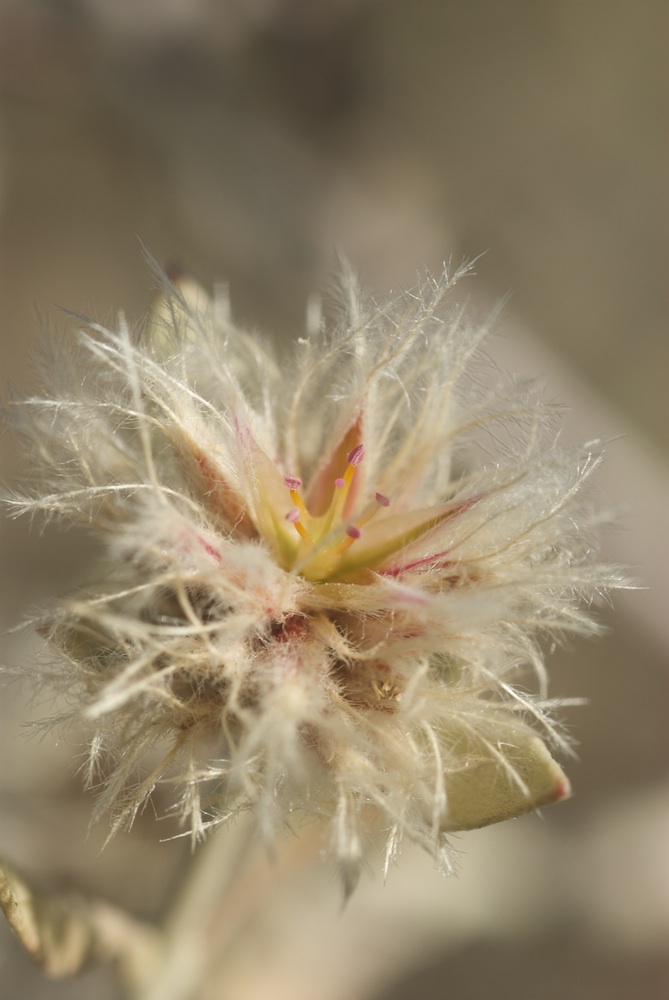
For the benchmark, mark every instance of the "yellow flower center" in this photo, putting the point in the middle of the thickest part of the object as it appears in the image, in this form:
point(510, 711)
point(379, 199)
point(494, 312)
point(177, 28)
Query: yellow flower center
point(324, 539)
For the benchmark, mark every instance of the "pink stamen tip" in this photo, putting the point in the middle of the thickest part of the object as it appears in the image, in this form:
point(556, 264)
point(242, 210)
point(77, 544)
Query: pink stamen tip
point(356, 456)
point(292, 482)
point(340, 483)
point(353, 532)
point(383, 500)
point(293, 515)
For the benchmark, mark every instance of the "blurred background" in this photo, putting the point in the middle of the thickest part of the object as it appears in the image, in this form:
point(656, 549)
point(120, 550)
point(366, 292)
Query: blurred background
point(248, 140)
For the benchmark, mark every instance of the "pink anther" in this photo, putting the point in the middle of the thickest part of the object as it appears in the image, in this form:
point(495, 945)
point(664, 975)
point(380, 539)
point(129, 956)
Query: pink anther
point(292, 482)
point(356, 456)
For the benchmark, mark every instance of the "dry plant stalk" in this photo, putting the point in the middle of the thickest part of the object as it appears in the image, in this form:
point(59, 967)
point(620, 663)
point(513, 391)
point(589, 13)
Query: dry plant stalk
point(64, 932)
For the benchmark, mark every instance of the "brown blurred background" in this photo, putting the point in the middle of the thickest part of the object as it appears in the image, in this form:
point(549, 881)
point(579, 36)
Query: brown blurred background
point(248, 140)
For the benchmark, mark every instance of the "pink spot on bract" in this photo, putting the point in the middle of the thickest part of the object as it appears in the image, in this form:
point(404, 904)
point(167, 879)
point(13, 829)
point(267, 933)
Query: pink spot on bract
point(356, 456)
point(382, 499)
point(209, 548)
point(438, 559)
point(292, 482)
point(562, 789)
point(293, 515)
point(353, 531)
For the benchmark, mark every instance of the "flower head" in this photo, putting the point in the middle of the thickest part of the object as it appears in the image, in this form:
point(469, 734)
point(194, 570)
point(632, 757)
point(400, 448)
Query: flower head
point(320, 579)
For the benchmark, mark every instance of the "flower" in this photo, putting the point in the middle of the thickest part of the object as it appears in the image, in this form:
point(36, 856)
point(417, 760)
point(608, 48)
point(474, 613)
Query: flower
point(320, 580)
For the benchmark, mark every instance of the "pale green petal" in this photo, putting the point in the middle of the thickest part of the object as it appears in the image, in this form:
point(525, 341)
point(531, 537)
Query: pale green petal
point(492, 788)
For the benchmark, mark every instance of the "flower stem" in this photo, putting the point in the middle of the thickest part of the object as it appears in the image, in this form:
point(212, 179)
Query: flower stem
point(195, 915)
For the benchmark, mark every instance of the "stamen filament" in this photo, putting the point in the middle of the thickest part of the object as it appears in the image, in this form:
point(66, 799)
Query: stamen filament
point(299, 503)
point(293, 516)
point(303, 533)
point(352, 533)
point(322, 534)
point(372, 509)
point(342, 487)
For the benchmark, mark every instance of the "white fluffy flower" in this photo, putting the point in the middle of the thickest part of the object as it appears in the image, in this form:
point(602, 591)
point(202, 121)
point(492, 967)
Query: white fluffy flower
point(321, 578)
